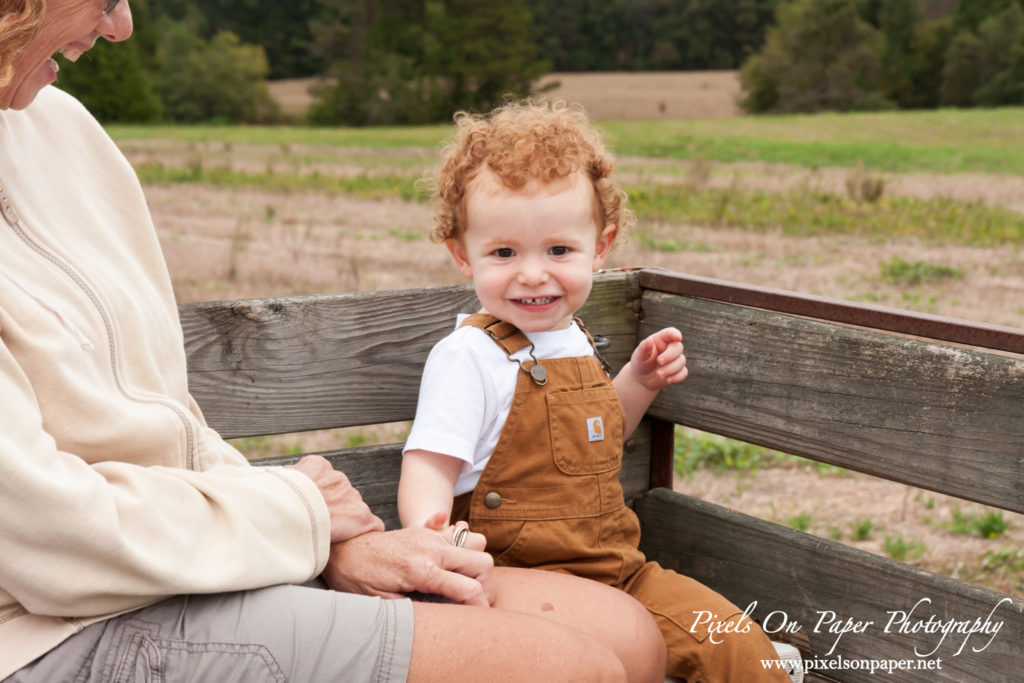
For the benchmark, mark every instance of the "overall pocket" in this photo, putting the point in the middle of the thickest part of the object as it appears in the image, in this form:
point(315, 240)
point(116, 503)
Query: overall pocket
point(586, 430)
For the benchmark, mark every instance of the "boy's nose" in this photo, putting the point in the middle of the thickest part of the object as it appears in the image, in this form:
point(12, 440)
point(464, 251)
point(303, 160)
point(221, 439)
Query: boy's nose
point(532, 273)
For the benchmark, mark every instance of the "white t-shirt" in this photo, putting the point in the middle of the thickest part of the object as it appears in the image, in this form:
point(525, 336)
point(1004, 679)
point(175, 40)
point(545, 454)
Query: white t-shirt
point(467, 389)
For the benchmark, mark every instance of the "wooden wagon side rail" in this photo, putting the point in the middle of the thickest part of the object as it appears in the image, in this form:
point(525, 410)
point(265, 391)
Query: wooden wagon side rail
point(841, 383)
point(806, 590)
point(938, 416)
point(272, 366)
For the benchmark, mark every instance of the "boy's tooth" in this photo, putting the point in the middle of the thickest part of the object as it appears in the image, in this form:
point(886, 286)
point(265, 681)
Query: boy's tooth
point(54, 65)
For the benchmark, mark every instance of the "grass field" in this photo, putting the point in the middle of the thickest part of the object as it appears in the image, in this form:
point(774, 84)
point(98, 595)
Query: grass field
point(945, 141)
point(917, 210)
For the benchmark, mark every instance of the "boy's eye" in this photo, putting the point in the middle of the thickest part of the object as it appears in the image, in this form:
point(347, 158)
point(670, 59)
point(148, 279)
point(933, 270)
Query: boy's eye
point(559, 251)
point(503, 252)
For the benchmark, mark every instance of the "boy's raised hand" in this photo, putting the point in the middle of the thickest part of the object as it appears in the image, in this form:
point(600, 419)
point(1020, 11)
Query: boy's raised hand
point(658, 361)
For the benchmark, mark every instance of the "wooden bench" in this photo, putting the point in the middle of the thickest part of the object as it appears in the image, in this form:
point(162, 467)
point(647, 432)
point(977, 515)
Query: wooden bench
point(926, 401)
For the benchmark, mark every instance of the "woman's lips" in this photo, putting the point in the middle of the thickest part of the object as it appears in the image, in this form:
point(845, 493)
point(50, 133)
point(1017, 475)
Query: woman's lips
point(72, 52)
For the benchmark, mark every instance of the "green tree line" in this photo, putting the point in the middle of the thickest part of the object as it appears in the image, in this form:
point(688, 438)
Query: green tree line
point(392, 61)
point(417, 61)
point(841, 55)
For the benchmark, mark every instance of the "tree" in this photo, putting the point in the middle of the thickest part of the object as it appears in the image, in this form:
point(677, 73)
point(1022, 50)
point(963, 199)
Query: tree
point(898, 22)
point(115, 81)
point(986, 66)
point(418, 61)
point(110, 82)
point(969, 14)
point(1001, 59)
point(217, 80)
point(282, 29)
point(962, 71)
point(820, 55)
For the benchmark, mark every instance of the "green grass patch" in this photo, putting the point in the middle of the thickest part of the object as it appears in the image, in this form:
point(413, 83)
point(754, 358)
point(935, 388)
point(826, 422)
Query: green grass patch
point(671, 245)
point(862, 530)
point(898, 271)
point(701, 450)
point(990, 524)
point(801, 522)
point(802, 213)
point(797, 213)
point(367, 186)
point(374, 138)
point(942, 141)
point(902, 550)
point(1005, 563)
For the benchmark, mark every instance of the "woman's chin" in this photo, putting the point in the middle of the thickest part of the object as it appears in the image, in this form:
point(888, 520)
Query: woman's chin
point(20, 94)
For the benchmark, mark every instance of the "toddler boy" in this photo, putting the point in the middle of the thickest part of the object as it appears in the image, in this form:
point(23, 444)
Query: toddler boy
point(518, 429)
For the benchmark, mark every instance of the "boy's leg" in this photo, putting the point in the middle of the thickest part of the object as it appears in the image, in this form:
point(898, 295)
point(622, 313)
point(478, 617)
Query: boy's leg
point(276, 634)
point(680, 606)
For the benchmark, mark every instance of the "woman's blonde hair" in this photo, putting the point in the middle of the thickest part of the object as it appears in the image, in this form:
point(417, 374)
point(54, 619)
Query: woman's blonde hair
point(19, 21)
point(518, 142)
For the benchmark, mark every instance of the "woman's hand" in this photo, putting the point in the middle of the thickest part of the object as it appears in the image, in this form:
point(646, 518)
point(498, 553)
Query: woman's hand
point(392, 563)
point(439, 523)
point(350, 516)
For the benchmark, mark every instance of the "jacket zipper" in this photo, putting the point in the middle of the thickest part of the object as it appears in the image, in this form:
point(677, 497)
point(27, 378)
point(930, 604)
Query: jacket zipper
point(16, 225)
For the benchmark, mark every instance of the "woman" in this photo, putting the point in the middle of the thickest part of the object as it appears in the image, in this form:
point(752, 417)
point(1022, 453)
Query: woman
point(136, 542)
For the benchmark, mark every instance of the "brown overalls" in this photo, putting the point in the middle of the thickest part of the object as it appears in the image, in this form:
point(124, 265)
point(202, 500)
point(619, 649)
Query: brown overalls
point(550, 498)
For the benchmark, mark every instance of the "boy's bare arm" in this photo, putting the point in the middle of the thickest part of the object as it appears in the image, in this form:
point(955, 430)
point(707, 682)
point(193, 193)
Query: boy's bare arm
point(656, 362)
point(426, 487)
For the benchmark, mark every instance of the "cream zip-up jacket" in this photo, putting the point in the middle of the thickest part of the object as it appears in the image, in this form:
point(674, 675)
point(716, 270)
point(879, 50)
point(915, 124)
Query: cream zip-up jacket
point(113, 491)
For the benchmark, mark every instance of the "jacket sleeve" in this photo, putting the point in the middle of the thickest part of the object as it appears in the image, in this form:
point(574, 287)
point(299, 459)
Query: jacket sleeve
point(82, 539)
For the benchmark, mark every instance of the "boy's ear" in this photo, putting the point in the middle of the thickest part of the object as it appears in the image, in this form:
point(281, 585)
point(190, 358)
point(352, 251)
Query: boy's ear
point(458, 251)
point(604, 245)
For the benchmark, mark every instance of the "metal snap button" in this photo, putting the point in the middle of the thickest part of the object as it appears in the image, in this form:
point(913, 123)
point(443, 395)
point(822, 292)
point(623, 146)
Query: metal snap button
point(493, 500)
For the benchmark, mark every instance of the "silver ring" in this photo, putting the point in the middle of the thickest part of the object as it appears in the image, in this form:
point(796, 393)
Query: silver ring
point(459, 536)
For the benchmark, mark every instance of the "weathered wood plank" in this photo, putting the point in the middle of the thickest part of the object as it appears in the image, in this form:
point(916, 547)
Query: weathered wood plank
point(944, 418)
point(271, 366)
point(858, 313)
point(374, 471)
point(799, 578)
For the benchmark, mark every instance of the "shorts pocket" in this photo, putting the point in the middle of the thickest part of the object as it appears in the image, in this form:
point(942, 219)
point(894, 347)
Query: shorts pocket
point(156, 660)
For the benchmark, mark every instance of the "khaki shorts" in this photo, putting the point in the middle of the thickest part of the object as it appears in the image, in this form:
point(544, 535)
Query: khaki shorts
point(279, 634)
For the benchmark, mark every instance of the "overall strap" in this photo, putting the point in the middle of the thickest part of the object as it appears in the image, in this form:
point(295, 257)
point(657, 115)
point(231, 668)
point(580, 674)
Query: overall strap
point(511, 339)
point(593, 345)
point(506, 335)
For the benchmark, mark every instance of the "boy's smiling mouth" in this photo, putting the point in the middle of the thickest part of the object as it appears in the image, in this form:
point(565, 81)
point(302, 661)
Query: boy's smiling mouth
point(536, 301)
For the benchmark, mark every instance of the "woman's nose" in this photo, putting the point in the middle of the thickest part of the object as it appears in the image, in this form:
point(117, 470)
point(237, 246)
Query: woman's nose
point(117, 25)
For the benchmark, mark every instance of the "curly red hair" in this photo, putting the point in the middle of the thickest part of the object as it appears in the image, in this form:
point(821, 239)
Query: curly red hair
point(518, 142)
point(19, 22)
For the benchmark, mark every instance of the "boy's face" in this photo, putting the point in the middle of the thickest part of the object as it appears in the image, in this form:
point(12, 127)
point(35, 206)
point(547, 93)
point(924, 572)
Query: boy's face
point(531, 253)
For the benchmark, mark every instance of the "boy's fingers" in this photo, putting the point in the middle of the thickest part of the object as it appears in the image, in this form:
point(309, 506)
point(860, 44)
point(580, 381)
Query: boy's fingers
point(671, 352)
point(670, 334)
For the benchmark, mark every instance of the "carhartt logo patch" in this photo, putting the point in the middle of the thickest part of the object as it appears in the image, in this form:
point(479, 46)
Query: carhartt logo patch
point(595, 429)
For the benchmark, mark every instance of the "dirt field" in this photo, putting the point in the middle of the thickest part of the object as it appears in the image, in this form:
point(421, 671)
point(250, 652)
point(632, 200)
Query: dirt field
point(231, 243)
point(605, 96)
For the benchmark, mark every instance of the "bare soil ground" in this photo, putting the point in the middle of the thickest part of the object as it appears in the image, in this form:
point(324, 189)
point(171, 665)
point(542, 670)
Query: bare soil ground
point(648, 96)
point(606, 96)
point(225, 243)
